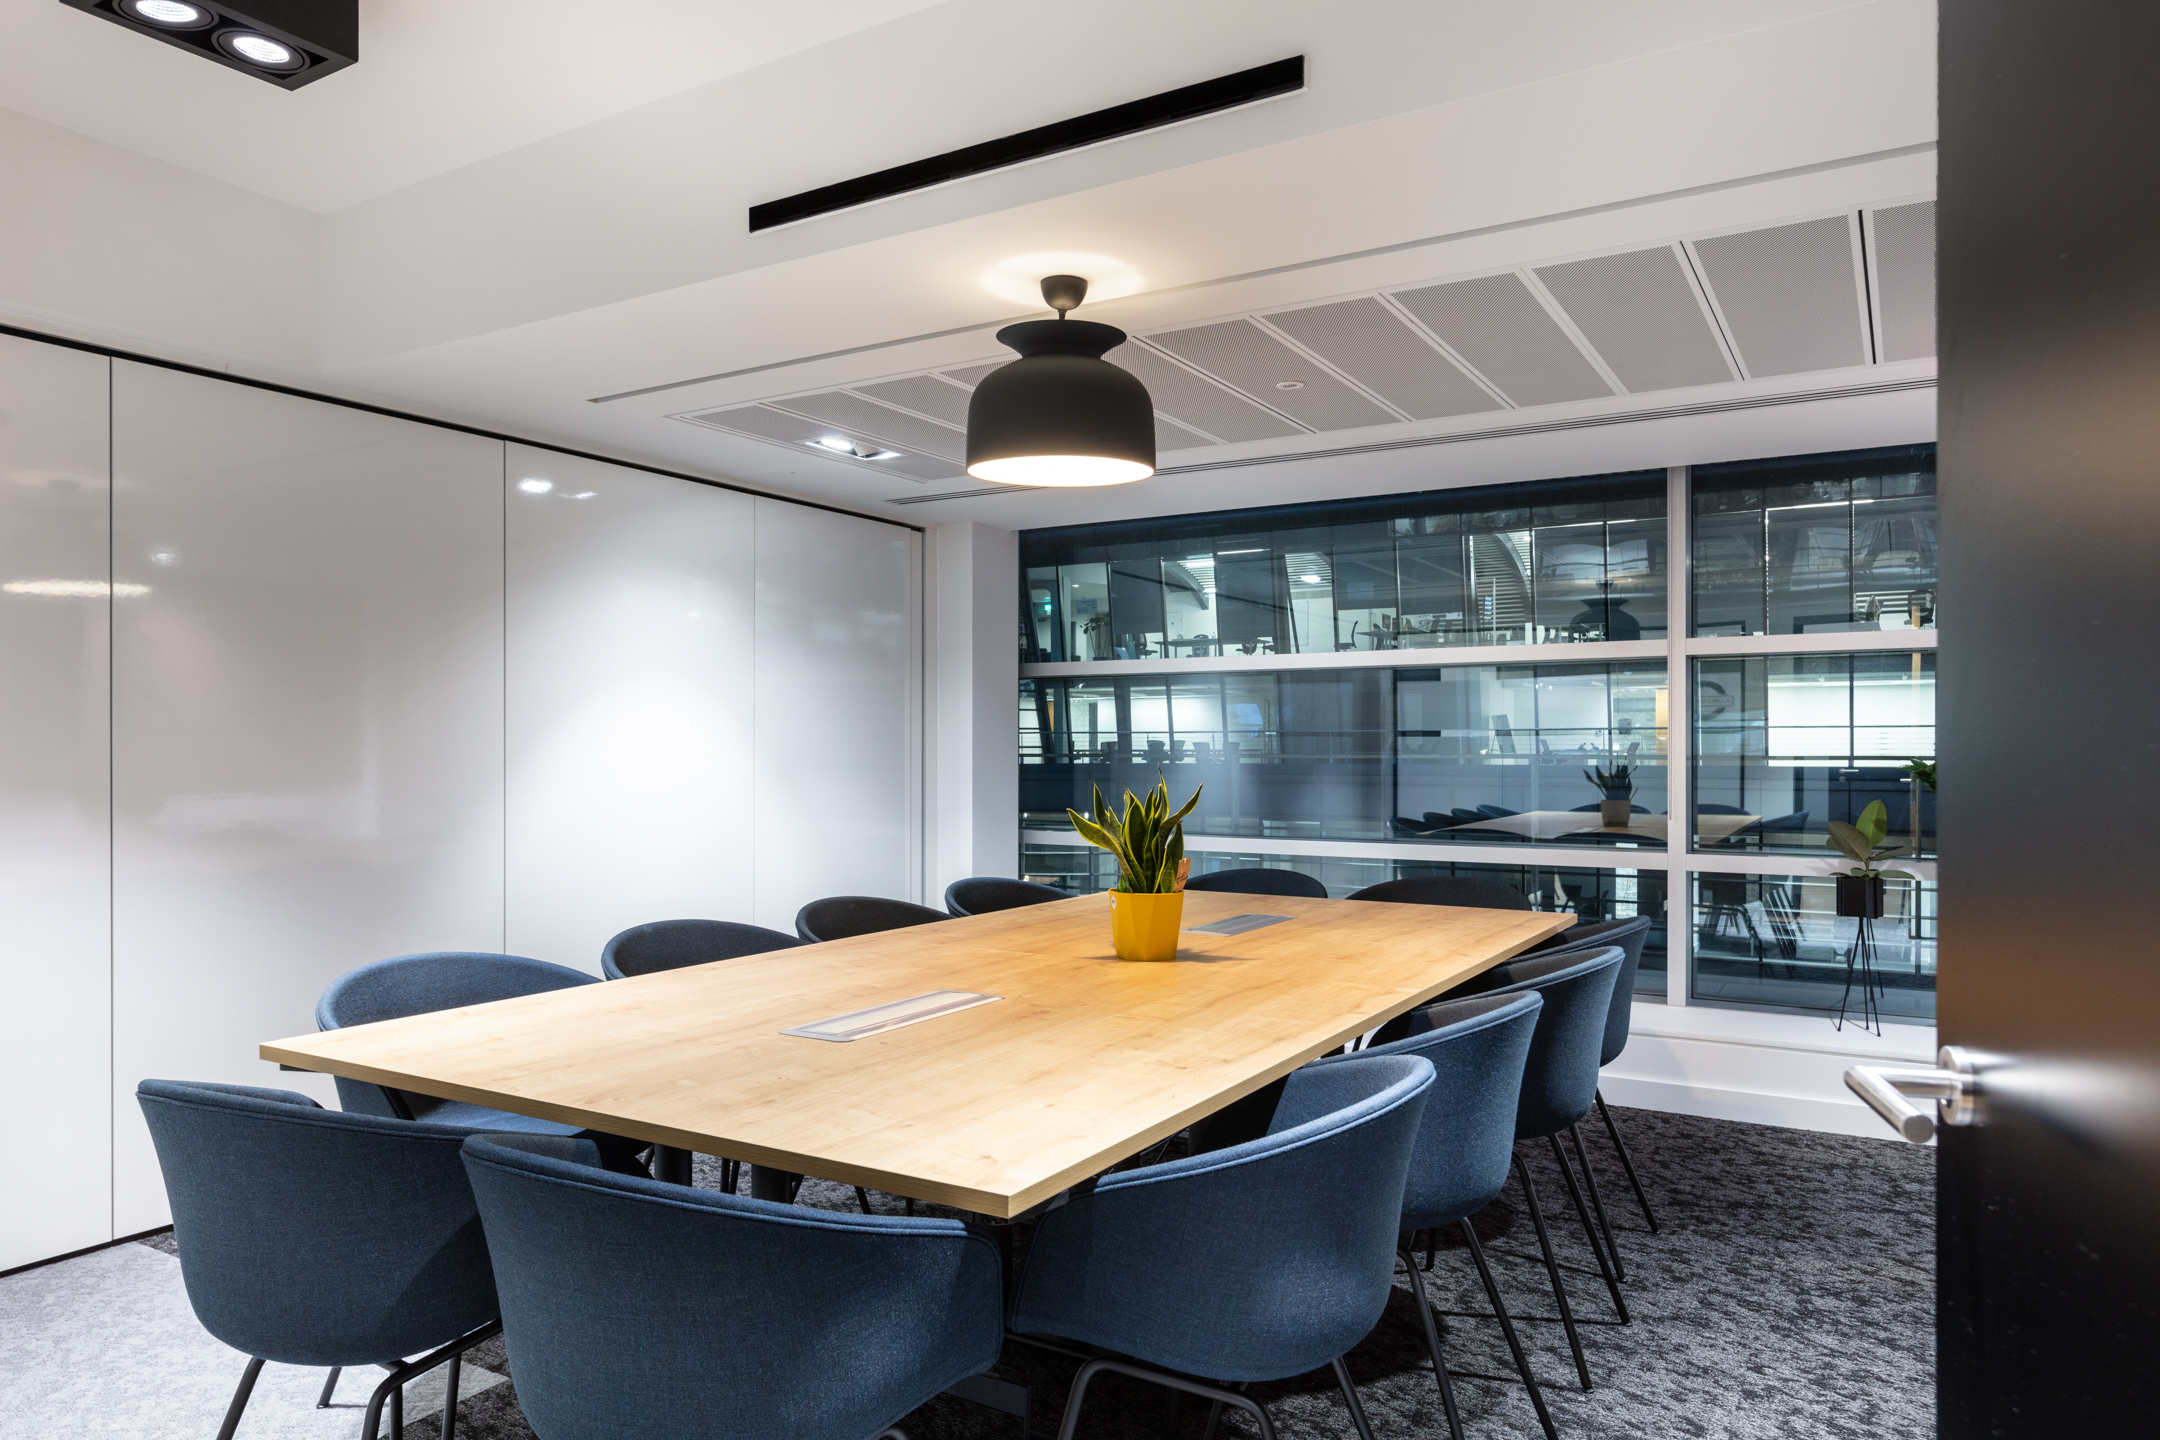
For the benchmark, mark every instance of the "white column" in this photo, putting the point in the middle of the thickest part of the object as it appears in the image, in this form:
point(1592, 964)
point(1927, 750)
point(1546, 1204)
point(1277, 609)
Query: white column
point(1679, 741)
point(973, 726)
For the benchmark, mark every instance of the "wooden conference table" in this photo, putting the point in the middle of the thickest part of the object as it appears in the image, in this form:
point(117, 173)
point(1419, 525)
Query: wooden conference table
point(1084, 1060)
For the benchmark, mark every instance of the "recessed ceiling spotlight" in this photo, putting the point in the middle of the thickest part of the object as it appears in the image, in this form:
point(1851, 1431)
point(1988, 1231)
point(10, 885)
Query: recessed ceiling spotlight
point(165, 555)
point(289, 43)
point(584, 495)
point(170, 14)
point(1289, 384)
point(260, 51)
point(536, 487)
point(841, 445)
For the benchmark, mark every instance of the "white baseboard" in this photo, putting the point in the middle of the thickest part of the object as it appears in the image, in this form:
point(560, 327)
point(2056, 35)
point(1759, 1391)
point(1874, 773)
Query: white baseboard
point(1762, 1068)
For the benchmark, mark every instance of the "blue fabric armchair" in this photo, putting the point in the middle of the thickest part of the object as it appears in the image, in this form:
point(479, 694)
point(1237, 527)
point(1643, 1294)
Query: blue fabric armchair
point(444, 980)
point(1255, 1262)
point(673, 944)
point(635, 1307)
point(984, 894)
point(1260, 880)
point(313, 1237)
point(1477, 1048)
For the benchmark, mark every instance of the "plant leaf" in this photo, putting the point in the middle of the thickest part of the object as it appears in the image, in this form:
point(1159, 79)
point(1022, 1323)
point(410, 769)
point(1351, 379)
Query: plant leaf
point(1843, 837)
point(1898, 874)
point(1874, 822)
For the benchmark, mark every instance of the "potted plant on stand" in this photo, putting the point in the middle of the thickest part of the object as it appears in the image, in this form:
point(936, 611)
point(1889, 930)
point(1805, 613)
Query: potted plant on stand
point(1860, 899)
point(1147, 905)
point(1616, 791)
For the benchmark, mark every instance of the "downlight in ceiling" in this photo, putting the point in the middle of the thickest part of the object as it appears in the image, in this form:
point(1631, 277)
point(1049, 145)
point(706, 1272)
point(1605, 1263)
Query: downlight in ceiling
point(854, 449)
point(1061, 415)
point(289, 43)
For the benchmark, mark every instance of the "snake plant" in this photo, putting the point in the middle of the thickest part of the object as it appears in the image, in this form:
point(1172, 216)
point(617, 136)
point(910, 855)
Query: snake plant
point(1147, 839)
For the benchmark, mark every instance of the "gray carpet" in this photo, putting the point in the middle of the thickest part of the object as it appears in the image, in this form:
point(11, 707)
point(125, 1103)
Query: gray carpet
point(1789, 1294)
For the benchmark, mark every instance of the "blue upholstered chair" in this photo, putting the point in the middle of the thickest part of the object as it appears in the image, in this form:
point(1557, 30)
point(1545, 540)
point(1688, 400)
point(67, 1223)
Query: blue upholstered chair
point(673, 944)
point(1467, 890)
point(1559, 1085)
point(1255, 1262)
point(840, 916)
point(639, 1308)
point(312, 1237)
point(1477, 1048)
point(445, 980)
point(1260, 880)
point(982, 894)
point(1629, 934)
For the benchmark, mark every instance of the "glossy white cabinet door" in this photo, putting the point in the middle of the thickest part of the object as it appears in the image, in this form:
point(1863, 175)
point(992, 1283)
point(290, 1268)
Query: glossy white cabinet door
point(838, 749)
point(55, 881)
point(629, 682)
point(308, 713)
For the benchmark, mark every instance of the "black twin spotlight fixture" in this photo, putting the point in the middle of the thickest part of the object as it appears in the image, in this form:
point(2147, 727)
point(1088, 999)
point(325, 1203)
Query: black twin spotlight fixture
point(289, 43)
point(1061, 414)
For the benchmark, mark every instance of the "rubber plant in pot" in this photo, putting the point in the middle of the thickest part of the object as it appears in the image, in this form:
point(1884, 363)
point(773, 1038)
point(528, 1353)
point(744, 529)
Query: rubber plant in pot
point(1860, 889)
point(1616, 789)
point(1147, 904)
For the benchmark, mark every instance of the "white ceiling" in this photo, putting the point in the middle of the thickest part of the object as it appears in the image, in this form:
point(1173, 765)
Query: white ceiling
point(602, 250)
point(440, 83)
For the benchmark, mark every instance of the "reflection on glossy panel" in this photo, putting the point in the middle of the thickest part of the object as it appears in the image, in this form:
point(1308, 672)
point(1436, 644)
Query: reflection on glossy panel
point(307, 747)
point(1543, 563)
point(630, 649)
point(1784, 744)
point(1591, 894)
point(55, 882)
point(1815, 544)
point(837, 739)
point(1777, 940)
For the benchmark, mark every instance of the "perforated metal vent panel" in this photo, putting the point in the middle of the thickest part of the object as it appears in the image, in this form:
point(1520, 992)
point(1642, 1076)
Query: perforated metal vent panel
point(1369, 343)
point(923, 394)
point(854, 413)
point(1496, 324)
point(1172, 436)
point(1195, 402)
point(1789, 295)
point(1640, 313)
point(1241, 354)
point(972, 375)
point(1905, 280)
point(759, 422)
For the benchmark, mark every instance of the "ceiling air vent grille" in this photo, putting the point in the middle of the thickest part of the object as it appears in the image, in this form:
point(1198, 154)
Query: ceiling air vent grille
point(1905, 280)
point(1790, 295)
point(1263, 368)
point(1371, 343)
point(1496, 324)
point(1641, 314)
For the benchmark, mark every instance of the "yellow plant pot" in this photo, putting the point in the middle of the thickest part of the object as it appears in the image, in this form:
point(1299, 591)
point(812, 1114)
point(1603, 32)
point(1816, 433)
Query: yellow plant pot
point(1145, 927)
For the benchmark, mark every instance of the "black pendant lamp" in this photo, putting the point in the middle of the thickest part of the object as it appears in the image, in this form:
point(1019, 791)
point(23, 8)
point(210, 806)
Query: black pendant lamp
point(1061, 414)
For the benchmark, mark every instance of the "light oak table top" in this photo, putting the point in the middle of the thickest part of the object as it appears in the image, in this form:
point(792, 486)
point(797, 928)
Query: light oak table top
point(1087, 1059)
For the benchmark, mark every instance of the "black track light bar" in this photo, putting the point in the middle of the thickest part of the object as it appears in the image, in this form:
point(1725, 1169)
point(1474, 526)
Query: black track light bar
point(289, 43)
point(1188, 102)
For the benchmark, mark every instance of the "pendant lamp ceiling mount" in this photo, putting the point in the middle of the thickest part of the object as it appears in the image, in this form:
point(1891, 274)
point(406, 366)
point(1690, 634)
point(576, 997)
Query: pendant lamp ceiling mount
point(1061, 415)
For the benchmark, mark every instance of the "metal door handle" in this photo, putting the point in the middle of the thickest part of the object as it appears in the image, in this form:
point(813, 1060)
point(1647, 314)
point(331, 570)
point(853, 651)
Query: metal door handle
point(1954, 1085)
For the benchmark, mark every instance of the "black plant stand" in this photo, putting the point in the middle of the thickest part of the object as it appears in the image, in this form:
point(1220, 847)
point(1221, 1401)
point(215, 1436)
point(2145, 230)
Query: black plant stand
point(1860, 966)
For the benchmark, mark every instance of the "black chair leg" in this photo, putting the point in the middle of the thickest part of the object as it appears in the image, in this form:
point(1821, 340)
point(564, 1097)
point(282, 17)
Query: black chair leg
point(329, 1388)
point(240, 1398)
point(1432, 1343)
point(1507, 1328)
point(1432, 1248)
point(1221, 1397)
point(862, 1198)
point(1589, 1230)
point(1552, 1268)
point(1597, 1204)
point(1357, 1407)
point(1627, 1163)
point(449, 1404)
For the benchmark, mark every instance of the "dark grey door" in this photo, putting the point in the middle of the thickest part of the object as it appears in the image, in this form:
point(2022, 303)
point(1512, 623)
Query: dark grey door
point(2050, 733)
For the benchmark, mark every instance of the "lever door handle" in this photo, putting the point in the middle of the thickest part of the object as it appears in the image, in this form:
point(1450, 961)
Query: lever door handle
point(1954, 1085)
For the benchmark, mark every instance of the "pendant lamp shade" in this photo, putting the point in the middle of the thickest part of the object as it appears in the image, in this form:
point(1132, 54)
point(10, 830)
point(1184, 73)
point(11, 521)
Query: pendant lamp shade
point(1061, 414)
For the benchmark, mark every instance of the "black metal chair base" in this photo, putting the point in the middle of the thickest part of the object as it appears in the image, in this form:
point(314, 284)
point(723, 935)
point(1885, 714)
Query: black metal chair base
point(1428, 1313)
point(1627, 1163)
point(390, 1392)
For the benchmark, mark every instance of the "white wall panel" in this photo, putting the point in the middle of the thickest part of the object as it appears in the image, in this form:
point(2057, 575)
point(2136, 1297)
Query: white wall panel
point(837, 748)
point(628, 685)
point(55, 893)
point(307, 742)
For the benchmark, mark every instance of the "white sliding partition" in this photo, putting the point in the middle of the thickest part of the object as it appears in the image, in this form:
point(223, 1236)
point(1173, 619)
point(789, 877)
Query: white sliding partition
point(55, 876)
point(837, 749)
point(308, 721)
point(630, 635)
